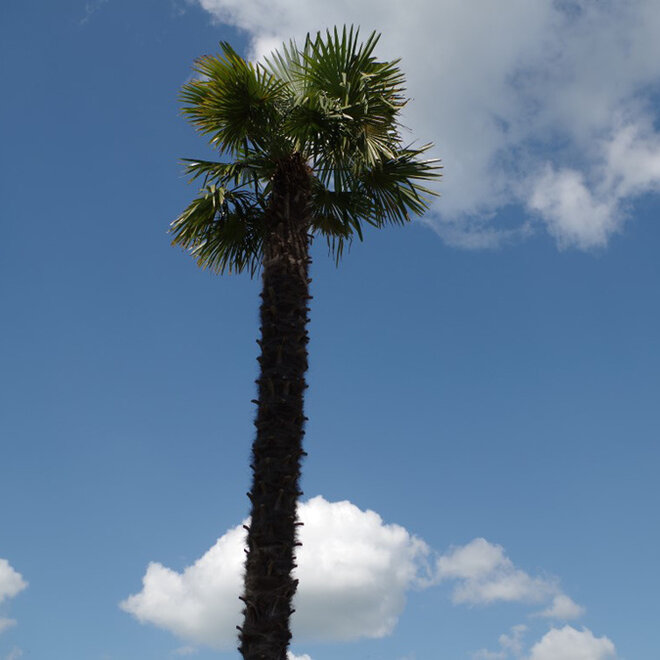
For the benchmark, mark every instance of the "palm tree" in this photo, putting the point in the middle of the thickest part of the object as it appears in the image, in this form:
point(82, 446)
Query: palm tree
point(313, 142)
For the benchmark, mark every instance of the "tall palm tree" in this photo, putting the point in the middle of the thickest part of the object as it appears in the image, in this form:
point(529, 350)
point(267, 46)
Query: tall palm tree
point(313, 146)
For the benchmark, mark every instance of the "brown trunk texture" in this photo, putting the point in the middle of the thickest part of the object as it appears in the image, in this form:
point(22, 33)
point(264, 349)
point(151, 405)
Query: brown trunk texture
point(277, 450)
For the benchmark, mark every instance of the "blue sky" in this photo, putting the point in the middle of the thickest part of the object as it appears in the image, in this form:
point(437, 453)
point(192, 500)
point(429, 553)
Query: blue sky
point(484, 384)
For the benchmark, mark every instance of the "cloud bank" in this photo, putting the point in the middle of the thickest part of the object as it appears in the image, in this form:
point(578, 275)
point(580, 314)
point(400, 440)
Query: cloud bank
point(546, 105)
point(354, 570)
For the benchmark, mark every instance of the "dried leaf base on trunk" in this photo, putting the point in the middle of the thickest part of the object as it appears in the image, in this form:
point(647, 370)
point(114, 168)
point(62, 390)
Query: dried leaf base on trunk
point(277, 450)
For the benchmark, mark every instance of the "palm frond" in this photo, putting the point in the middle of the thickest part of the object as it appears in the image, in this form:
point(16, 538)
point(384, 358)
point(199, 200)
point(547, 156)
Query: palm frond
point(238, 173)
point(394, 186)
point(352, 99)
point(331, 101)
point(343, 210)
point(390, 192)
point(287, 65)
point(338, 216)
point(235, 101)
point(222, 229)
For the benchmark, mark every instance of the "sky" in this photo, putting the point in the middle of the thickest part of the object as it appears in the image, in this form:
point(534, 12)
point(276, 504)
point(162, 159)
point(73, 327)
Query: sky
point(482, 478)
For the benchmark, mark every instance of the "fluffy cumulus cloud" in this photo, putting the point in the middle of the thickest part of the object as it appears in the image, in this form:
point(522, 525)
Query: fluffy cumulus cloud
point(11, 584)
point(544, 104)
point(483, 574)
point(354, 572)
point(565, 643)
point(201, 603)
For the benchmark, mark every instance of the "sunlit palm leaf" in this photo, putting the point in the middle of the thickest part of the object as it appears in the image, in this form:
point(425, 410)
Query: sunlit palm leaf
point(235, 102)
point(362, 97)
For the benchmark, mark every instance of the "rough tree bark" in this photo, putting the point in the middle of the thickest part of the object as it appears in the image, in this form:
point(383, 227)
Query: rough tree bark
point(277, 450)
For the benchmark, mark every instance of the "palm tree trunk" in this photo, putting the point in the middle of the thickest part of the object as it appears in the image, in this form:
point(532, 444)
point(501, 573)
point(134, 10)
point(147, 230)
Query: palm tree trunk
point(277, 450)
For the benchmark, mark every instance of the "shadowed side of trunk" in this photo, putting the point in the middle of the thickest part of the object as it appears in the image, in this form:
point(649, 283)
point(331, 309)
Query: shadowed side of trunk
point(277, 450)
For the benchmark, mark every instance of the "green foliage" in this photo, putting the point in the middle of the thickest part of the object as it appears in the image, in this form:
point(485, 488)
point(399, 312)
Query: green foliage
point(330, 101)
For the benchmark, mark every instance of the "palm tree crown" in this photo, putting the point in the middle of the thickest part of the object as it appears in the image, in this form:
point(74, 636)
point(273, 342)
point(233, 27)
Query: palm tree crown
point(314, 146)
point(331, 102)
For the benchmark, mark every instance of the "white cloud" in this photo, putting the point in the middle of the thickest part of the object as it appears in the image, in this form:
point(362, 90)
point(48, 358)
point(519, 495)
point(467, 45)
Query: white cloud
point(585, 214)
point(291, 656)
point(185, 651)
point(201, 604)
point(484, 574)
point(11, 582)
point(545, 104)
point(513, 641)
point(509, 645)
point(564, 608)
point(475, 560)
point(354, 572)
point(567, 643)
point(572, 212)
point(632, 157)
